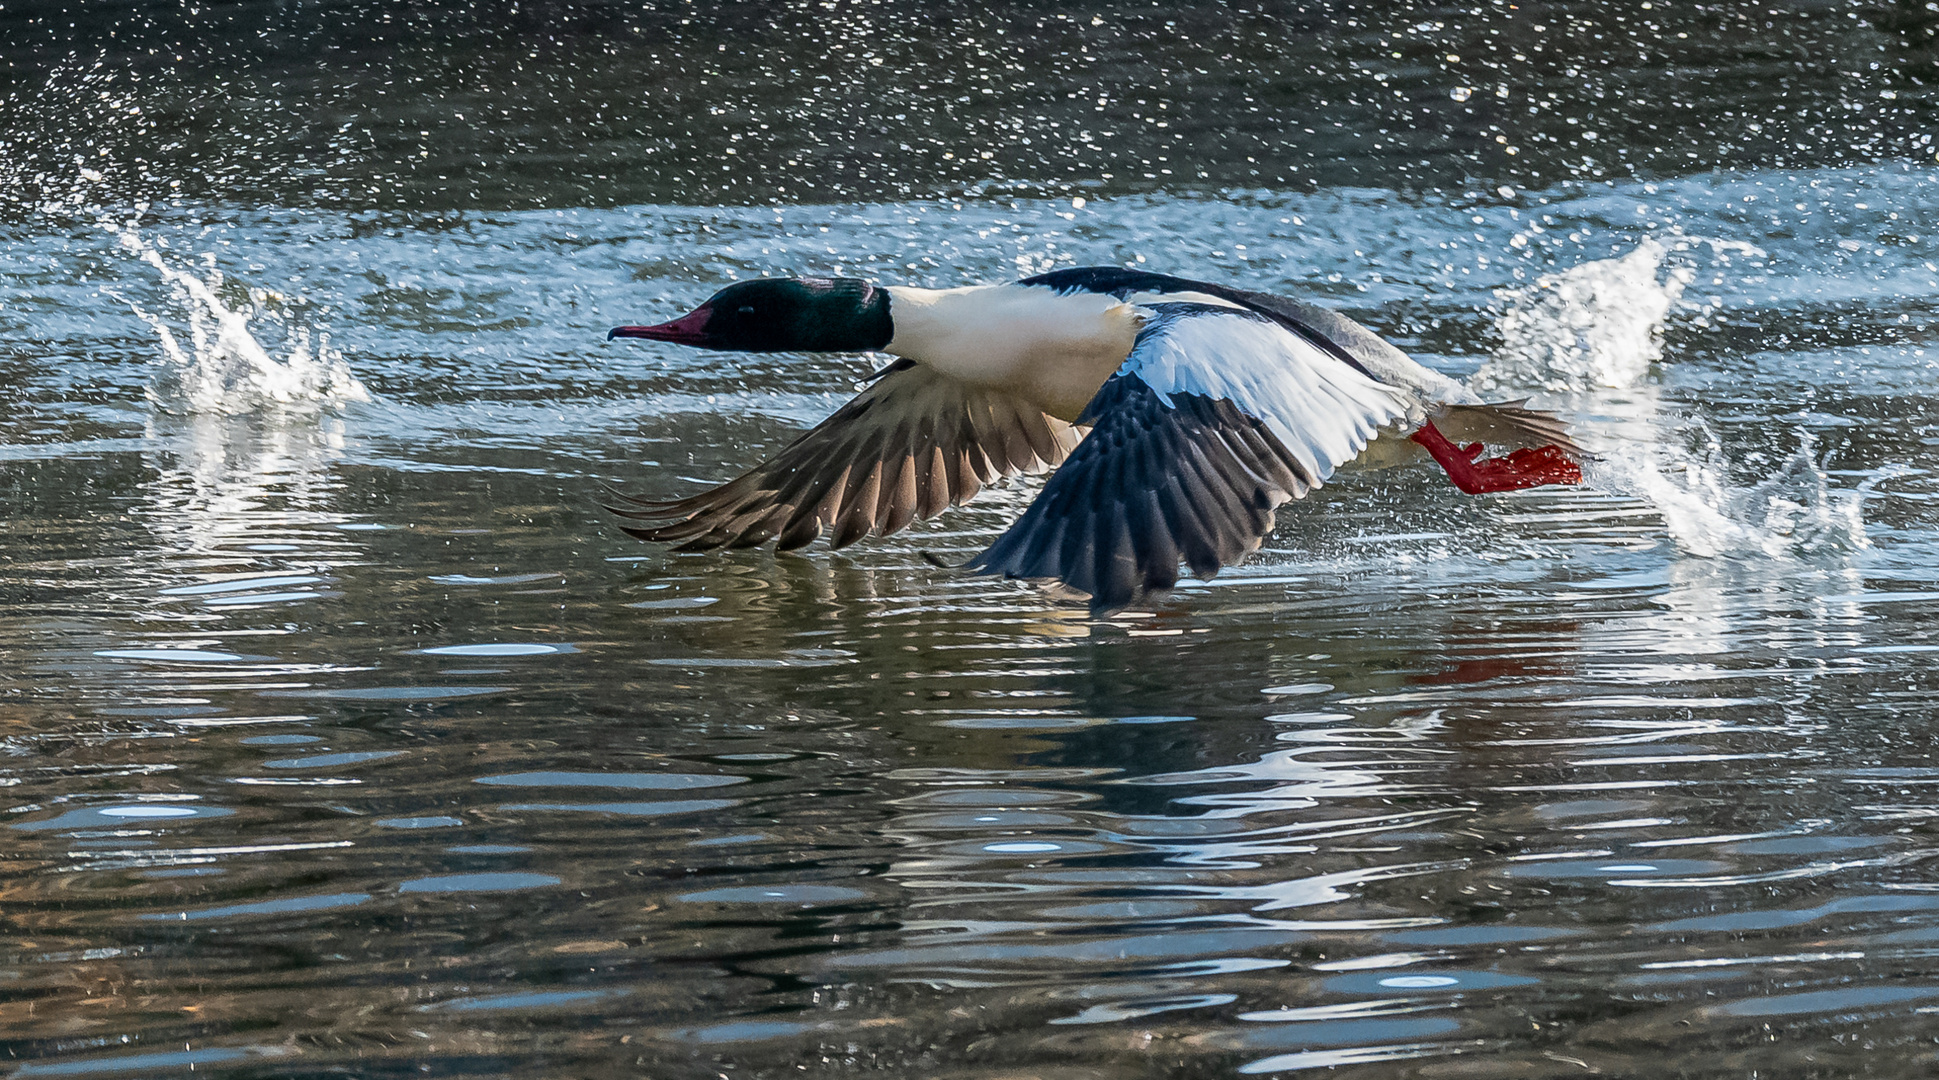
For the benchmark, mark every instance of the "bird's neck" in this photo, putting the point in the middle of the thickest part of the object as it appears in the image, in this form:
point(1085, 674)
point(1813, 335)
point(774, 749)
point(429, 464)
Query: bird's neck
point(1050, 349)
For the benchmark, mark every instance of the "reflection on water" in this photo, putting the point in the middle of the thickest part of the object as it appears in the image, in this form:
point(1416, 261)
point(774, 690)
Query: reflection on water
point(1606, 800)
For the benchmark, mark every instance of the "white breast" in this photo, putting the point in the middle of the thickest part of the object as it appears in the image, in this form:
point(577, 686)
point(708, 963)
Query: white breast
point(1053, 350)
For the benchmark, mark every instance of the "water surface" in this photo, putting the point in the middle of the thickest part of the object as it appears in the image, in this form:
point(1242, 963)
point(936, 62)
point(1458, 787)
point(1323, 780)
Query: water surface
point(345, 735)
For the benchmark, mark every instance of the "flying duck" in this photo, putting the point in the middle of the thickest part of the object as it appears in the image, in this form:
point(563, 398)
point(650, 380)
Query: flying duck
point(1177, 414)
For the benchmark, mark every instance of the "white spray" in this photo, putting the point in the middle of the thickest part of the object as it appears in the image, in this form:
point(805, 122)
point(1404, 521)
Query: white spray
point(223, 368)
point(1792, 511)
point(1597, 325)
point(1597, 328)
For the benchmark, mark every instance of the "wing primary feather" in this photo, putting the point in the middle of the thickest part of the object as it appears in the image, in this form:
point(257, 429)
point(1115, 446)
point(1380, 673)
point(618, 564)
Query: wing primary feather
point(1216, 510)
point(1157, 552)
point(1074, 562)
point(1016, 442)
point(1115, 579)
point(857, 513)
point(1043, 441)
point(827, 501)
point(898, 505)
point(988, 438)
point(932, 482)
point(762, 529)
point(799, 532)
point(966, 477)
point(1186, 529)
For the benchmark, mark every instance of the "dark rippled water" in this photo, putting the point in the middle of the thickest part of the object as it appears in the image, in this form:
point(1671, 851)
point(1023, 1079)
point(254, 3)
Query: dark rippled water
point(342, 734)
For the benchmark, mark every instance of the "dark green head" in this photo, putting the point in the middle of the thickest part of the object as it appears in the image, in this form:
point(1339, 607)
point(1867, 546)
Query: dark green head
point(782, 315)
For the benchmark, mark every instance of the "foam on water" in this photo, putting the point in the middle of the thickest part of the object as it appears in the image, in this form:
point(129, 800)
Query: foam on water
point(218, 365)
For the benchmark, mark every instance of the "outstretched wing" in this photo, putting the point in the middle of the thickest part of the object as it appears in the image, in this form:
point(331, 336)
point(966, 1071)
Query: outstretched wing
point(1217, 418)
point(1462, 416)
point(907, 447)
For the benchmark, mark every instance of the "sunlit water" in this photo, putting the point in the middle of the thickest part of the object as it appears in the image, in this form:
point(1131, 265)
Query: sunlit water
point(344, 733)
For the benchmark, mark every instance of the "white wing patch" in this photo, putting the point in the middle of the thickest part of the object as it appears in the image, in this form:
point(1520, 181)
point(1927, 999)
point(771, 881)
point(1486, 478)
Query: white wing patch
point(1146, 299)
point(1325, 411)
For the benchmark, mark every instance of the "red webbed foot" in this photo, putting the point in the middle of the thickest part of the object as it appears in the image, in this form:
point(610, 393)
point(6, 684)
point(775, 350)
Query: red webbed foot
point(1526, 468)
point(1519, 469)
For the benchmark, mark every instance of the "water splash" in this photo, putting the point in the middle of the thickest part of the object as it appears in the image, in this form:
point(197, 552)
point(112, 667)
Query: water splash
point(1596, 325)
point(217, 365)
point(1791, 512)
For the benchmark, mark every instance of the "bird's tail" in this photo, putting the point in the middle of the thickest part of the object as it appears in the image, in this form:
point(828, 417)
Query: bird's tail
point(1508, 424)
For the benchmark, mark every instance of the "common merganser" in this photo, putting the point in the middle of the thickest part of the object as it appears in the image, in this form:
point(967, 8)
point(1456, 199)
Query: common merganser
point(1177, 414)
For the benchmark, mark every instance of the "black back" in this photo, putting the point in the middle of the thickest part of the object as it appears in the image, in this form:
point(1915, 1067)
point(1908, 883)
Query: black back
point(1329, 330)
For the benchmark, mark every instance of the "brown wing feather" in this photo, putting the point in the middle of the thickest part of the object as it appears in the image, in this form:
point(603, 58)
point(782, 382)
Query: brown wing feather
point(911, 444)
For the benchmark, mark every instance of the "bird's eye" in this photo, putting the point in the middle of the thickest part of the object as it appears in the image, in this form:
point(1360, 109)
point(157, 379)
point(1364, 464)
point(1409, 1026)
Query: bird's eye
point(747, 309)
